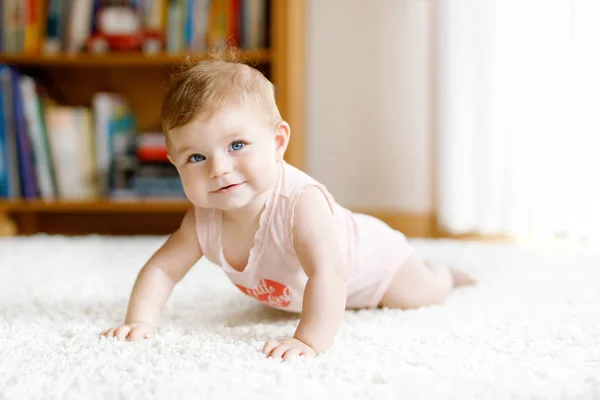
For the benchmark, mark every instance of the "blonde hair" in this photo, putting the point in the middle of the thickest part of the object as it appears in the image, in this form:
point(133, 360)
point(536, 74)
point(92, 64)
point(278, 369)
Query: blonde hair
point(219, 79)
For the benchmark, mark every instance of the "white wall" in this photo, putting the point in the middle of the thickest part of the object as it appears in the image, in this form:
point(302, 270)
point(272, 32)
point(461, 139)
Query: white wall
point(368, 102)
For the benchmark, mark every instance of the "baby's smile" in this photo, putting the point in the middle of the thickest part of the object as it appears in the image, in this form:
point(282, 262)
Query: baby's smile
point(228, 188)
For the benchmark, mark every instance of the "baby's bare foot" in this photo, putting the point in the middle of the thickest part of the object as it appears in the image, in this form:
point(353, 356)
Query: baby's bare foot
point(461, 278)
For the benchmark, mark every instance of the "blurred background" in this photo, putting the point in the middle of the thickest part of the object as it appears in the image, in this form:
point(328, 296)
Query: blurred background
point(473, 118)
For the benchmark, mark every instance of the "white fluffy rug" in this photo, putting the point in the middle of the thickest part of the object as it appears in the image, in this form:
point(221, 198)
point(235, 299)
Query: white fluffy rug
point(529, 330)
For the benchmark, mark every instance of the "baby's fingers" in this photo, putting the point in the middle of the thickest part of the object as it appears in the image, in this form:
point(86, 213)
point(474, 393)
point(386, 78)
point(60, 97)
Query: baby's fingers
point(109, 333)
point(137, 334)
point(280, 350)
point(122, 332)
point(292, 353)
point(269, 346)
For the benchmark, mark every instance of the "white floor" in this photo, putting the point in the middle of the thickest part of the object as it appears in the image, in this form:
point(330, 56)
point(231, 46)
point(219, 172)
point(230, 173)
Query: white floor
point(530, 329)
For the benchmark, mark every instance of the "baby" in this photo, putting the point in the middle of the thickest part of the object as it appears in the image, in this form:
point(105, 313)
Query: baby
point(277, 233)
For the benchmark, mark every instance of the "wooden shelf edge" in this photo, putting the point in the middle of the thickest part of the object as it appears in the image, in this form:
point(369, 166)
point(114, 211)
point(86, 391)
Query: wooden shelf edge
point(104, 205)
point(119, 59)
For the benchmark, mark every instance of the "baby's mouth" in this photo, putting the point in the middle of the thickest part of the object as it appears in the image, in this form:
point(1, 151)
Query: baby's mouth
point(228, 188)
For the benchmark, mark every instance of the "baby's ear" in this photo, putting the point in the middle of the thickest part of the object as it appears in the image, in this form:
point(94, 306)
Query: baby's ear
point(169, 152)
point(282, 138)
point(169, 148)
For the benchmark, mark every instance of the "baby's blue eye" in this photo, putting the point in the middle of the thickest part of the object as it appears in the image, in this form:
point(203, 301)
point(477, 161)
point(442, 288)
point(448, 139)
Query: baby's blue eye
point(194, 158)
point(237, 146)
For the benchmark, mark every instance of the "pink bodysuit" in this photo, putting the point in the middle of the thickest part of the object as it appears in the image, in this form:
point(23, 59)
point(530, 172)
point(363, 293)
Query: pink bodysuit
point(372, 251)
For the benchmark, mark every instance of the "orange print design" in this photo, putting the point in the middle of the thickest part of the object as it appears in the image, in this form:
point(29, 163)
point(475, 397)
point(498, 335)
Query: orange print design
point(273, 293)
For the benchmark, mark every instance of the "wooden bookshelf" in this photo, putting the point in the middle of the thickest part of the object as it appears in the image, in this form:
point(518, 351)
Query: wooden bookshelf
point(97, 205)
point(119, 60)
point(73, 79)
point(102, 216)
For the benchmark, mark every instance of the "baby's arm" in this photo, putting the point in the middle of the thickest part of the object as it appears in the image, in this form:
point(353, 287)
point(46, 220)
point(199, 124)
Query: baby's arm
point(318, 249)
point(155, 282)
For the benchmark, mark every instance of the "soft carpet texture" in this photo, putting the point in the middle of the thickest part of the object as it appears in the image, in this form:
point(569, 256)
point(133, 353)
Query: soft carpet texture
point(529, 330)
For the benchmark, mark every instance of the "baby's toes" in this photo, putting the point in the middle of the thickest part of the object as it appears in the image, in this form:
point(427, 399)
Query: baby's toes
point(461, 278)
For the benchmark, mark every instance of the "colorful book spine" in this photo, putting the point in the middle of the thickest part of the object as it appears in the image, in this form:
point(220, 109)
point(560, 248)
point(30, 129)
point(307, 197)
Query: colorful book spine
point(37, 136)
point(2, 26)
point(25, 151)
point(14, 185)
point(33, 26)
point(53, 42)
point(4, 165)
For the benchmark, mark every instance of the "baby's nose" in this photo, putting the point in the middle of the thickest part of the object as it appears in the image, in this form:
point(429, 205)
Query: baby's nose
point(220, 166)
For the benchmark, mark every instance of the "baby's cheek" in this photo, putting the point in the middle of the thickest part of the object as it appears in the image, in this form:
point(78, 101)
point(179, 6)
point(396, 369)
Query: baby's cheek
point(264, 179)
point(193, 189)
point(261, 163)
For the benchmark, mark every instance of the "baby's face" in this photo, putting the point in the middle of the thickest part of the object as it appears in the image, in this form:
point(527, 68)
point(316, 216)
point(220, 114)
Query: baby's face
point(226, 161)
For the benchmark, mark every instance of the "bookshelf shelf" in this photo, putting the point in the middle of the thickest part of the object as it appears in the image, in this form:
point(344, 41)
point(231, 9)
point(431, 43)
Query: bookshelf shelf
point(102, 216)
point(100, 205)
point(118, 59)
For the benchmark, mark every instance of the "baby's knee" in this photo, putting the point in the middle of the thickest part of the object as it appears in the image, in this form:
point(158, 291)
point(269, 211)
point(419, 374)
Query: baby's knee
point(417, 285)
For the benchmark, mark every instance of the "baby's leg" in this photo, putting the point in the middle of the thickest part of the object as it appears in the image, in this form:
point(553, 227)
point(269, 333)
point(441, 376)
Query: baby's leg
point(416, 284)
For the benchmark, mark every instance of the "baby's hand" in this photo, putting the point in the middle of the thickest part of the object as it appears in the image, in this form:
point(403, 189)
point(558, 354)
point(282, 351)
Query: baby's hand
point(130, 332)
point(287, 349)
